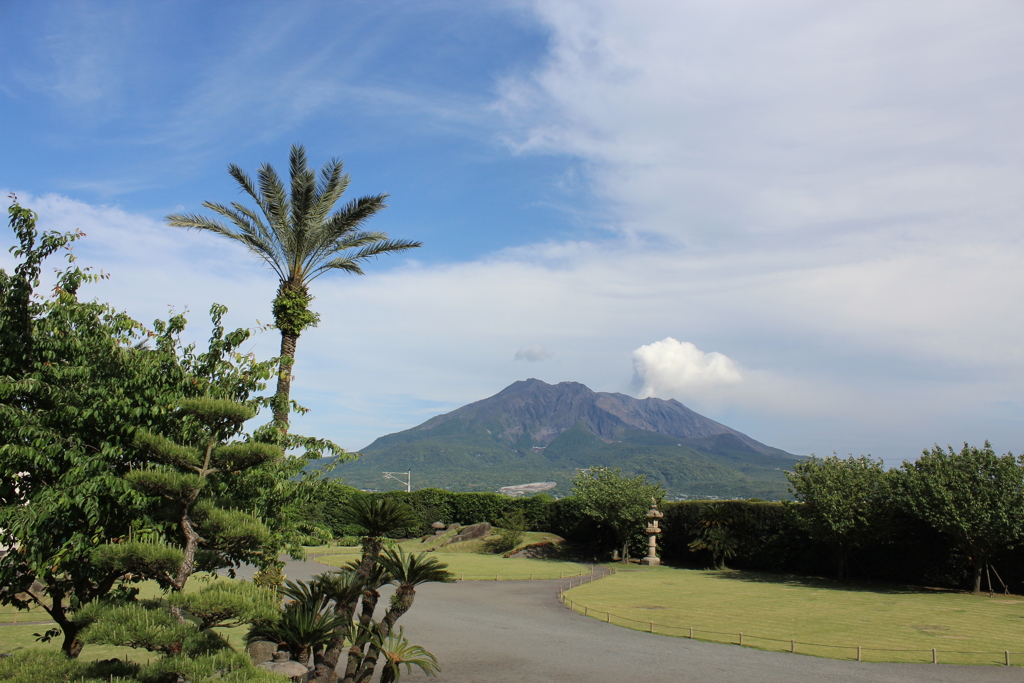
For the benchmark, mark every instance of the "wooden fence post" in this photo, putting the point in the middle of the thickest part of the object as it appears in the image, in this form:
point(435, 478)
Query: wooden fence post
point(741, 637)
point(792, 646)
point(1006, 653)
point(691, 632)
point(858, 653)
point(935, 656)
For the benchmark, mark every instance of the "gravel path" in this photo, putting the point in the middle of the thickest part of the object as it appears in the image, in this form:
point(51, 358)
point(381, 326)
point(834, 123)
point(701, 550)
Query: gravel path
point(517, 631)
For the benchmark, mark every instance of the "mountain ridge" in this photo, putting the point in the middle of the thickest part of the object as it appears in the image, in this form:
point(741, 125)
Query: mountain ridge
point(505, 440)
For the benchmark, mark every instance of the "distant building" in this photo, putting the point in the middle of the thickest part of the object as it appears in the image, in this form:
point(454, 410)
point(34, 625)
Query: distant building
point(527, 489)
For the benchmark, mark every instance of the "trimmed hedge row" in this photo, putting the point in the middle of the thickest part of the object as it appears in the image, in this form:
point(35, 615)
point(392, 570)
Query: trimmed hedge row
point(772, 536)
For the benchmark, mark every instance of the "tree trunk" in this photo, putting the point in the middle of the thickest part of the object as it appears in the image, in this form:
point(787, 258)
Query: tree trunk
point(71, 646)
point(282, 397)
point(842, 564)
point(406, 596)
point(325, 666)
point(978, 566)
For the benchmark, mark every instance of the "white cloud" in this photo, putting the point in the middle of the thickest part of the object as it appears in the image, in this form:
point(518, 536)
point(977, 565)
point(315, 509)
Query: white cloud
point(670, 368)
point(828, 193)
point(533, 353)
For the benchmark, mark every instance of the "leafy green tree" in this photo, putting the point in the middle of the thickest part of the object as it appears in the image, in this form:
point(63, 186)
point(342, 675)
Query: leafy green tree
point(975, 497)
point(844, 501)
point(617, 502)
point(80, 383)
point(295, 233)
point(74, 389)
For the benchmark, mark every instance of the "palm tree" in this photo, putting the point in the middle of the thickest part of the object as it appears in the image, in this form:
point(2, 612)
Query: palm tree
point(300, 239)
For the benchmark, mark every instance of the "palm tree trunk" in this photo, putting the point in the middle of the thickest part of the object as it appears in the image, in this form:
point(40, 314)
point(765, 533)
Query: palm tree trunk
point(282, 397)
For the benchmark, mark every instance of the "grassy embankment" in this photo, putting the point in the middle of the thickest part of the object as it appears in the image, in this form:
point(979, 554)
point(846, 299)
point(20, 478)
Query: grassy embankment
point(468, 561)
point(879, 618)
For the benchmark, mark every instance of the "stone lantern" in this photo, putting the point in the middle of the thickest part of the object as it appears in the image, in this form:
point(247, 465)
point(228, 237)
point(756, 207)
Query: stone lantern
point(653, 515)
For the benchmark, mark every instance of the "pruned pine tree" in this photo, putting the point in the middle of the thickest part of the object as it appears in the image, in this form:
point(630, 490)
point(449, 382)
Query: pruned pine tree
point(294, 232)
point(190, 479)
point(185, 486)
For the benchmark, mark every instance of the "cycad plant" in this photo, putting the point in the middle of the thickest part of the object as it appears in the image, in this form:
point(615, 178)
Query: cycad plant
point(398, 651)
point(355, 591)
point(377, 516)
point(302, 629)
point(191, 477)
point(294, 231)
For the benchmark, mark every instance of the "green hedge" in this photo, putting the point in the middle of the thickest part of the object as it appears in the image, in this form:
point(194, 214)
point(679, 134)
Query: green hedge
point(772, 536)
point(430, 505)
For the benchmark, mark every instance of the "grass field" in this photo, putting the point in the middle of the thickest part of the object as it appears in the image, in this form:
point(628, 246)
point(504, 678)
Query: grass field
point(771, 610)
point(465, 561)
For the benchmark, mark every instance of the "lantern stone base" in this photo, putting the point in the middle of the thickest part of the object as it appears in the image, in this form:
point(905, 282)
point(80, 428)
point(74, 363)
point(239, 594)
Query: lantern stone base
point(650, 561)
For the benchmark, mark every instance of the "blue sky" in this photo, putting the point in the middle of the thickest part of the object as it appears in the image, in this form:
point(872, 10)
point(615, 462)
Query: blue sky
point(802, 219)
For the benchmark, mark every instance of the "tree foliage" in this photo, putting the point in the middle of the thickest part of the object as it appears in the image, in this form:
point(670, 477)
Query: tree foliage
point(973, 496)
point(105, 439)
point(844, 500)
point(620, 503)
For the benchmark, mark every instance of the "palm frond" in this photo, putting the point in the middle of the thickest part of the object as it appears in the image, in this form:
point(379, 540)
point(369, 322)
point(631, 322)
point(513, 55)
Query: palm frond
point(294, 230)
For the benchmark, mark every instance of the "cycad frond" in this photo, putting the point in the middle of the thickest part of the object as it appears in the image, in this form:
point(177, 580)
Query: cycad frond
point(378, 515)
point(414, 569)
point(398, 651)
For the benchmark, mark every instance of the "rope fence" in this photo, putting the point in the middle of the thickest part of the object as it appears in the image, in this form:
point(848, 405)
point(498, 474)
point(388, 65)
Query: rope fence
point(852, 652)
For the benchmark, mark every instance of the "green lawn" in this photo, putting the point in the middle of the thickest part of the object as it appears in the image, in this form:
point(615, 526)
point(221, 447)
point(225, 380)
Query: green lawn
point(466, 561)
point(771, 610)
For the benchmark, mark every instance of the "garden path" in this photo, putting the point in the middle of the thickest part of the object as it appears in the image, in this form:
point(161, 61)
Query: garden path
point(517, 631)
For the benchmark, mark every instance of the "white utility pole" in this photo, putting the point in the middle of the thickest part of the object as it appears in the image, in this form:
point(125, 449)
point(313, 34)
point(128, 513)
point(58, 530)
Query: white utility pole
point(396, 475)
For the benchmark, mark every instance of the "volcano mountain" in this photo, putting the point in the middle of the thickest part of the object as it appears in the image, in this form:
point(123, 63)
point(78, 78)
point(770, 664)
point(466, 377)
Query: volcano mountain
point(533, 431)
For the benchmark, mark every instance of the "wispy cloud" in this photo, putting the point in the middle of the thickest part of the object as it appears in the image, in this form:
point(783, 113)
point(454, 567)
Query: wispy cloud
point(533, 353)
